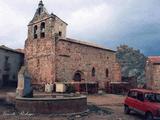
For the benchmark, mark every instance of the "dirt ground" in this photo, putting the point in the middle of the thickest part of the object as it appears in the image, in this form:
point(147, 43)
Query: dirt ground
point(100, 107)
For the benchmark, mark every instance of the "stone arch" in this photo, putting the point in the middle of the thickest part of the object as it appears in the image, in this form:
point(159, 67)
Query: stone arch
point(78, 76)
point(107, 72)
point(42, 30)
point(93, 72)
point(35, 31)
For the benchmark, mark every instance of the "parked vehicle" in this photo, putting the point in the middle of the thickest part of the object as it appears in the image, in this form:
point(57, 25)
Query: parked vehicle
point(145, 102)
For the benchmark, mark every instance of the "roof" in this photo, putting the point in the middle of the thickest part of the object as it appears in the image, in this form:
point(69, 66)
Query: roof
point(9, 49)
point(87, 44)
point(119, 82)
point(42, 11)
point(146, 91)
point(20, 50)
point(53, 15)
point(154, 59)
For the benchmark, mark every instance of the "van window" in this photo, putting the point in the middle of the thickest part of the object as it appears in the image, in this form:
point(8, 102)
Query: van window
point(132, 94)
point(140, 96)
point(150, 97)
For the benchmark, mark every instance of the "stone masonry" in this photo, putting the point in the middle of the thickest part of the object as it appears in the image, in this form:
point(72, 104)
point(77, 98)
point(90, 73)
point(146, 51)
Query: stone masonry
point(51, 57)
point(153, 72)
point(10, 63)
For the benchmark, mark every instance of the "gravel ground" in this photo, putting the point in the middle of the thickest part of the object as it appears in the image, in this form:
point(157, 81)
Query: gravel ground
point(101, 107)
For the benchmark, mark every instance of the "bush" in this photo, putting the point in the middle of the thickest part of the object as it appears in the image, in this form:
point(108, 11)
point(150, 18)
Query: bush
point(70, 88)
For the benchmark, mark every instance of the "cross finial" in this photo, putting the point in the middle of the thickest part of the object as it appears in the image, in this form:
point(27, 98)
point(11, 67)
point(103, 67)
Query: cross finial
point(41, 3)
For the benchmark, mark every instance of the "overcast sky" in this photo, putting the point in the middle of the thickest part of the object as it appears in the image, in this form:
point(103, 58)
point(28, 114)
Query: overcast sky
point(106, 22)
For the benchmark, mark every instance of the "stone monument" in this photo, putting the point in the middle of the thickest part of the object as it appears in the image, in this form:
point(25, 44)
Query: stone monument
point(24, 88)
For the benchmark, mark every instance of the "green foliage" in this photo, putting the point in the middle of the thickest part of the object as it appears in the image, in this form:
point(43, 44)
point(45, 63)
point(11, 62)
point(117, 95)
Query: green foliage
point(70, 88)
point(132, 63)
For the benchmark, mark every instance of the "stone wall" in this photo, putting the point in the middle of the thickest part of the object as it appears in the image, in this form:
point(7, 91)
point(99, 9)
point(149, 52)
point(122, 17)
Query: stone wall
point(153, 76)
point(40, 51)
point(72, 57)
point(59, 26)
point(40, 60)
point(10, 63)
point(53, 104)
point(117, 72)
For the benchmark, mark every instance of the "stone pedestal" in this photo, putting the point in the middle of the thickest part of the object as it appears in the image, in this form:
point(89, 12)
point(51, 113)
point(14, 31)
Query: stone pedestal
point(60, 87)
point(49, 88)
point(24, 88)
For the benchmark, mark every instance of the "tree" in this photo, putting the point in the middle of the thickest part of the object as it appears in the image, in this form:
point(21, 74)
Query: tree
point(132, 63)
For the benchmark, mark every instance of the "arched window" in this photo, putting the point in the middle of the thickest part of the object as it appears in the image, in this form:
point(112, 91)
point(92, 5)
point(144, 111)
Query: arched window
point(38, 62)
point(107, 72)
point(42, 30)
point(60, 33)
point(35, 31)
point(78, 76)
point(93, 72)
point(40, 10)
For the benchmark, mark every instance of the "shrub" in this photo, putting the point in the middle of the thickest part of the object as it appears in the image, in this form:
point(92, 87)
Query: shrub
point(70, 88)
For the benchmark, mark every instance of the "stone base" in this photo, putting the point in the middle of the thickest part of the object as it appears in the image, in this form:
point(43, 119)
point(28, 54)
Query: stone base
point(38, 87)
point(49, 105)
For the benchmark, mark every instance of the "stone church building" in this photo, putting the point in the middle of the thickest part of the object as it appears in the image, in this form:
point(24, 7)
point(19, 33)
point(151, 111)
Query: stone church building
point(52, 57)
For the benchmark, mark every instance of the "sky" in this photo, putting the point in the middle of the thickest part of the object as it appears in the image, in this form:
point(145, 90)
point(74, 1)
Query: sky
point(109, 23)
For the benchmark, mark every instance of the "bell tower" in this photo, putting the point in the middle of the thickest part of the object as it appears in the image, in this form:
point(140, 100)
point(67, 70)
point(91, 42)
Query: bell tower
point(44, 30)
point(45, 25)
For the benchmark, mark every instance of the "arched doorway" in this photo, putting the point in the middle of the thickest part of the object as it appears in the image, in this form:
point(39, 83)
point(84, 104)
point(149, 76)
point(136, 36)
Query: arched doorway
point(78, 76)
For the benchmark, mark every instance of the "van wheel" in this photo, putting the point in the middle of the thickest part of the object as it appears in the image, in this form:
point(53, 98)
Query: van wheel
point(126, 109)
point(148, 116)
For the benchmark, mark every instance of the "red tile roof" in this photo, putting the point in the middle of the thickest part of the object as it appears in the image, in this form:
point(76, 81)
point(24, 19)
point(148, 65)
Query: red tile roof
point(154, 59)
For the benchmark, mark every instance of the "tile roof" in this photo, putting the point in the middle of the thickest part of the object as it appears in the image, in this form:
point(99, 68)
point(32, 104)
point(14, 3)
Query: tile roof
point(154, 59)
point(9, 49)
point(87, 44)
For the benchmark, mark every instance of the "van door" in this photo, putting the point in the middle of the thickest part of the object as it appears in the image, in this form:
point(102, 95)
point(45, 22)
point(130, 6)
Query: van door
point(132, 98)
point(139, 105)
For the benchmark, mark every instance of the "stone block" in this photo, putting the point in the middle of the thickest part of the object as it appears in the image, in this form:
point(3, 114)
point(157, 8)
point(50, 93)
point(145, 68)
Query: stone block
point(60, 87)
point(49, 88)
point(24, 88)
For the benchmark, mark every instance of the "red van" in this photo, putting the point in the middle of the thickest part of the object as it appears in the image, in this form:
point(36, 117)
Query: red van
point(145, 102)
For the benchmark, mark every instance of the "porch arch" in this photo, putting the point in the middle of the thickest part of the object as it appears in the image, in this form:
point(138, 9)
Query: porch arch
point(78, 76)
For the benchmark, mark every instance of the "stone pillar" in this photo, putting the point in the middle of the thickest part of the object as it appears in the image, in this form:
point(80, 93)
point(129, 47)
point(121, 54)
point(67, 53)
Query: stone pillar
point(24, 88)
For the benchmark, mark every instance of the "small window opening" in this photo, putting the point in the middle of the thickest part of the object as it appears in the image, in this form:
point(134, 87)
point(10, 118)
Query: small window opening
point(60, 33)
point(39, 11)
point(93, 72)
point(6, 64)
point(107, 72)
point(6, 58)
point(38, 62)
point(35, 32)
point(42, 30)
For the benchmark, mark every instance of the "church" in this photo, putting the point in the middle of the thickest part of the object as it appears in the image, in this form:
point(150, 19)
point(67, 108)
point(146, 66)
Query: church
point(51, 57)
